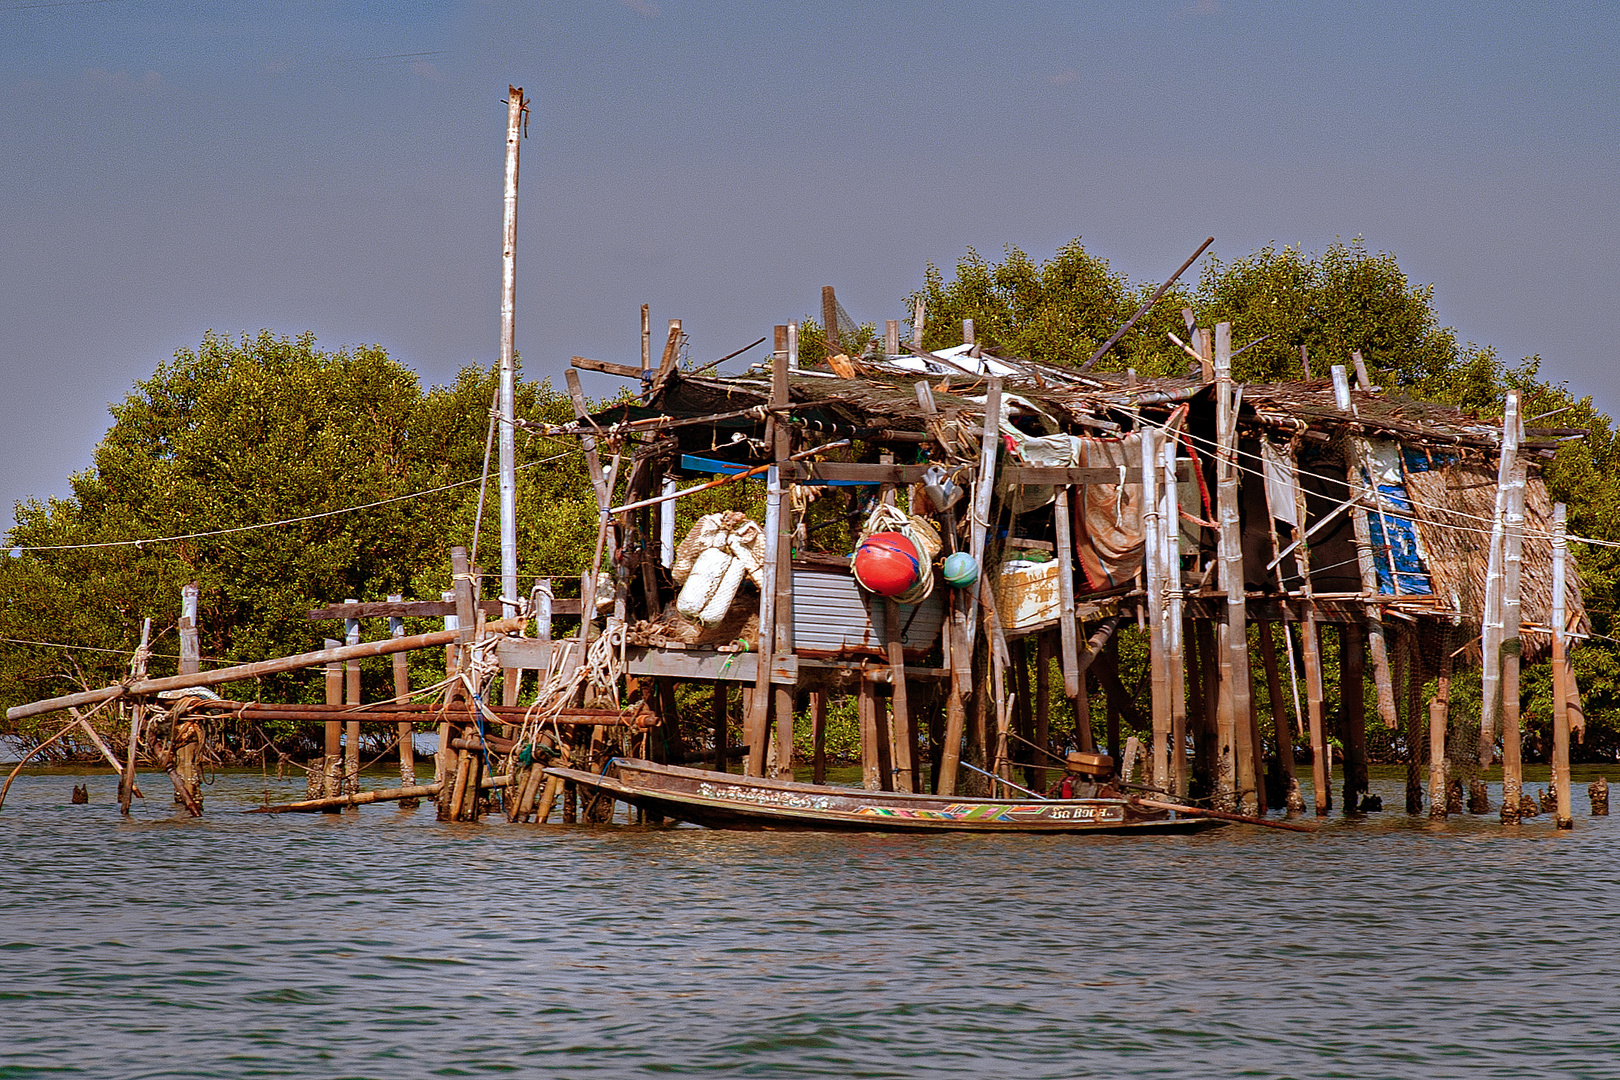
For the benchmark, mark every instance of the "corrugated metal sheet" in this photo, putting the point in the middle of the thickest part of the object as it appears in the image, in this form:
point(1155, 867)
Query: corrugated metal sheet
point(833, 614)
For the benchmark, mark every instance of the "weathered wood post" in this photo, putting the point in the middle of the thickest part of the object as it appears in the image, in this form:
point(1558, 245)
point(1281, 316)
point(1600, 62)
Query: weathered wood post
point(1512, 565)
point(190, 653)
point(1153, 568)
point(757, 719)
point(405, 731)
point(332, 762)
point(818, 736)
point(1492, 631)
point(1564, 817)
point(1360, 481)
point(1353, 713)
point(782, 641)
point(1439, 718)
point(1282, 729)
point(891, 337)
point(351, 734)
point(137, 713)
point(516, 107)
point(1170, 522)
point(1235, 784)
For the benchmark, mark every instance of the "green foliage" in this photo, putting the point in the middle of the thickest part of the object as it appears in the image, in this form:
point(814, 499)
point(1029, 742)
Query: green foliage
point(1057, 312)
point(271, 429)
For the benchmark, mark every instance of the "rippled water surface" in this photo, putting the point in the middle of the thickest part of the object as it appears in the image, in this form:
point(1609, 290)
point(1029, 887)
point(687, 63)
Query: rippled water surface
point(381, 943)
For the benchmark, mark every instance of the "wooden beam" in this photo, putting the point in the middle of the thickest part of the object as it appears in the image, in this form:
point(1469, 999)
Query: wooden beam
point(625, 371)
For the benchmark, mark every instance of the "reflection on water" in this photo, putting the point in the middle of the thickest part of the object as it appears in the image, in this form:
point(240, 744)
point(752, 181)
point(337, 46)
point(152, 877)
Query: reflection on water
point(381, 943)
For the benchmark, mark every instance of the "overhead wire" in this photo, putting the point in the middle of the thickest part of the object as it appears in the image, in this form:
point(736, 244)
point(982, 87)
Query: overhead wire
point(19, 548)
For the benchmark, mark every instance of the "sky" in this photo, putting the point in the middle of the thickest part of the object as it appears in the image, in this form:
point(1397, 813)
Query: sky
point(172, 168)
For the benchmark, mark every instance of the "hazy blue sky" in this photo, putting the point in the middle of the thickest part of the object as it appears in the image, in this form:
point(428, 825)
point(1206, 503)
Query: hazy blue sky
point(336, 167)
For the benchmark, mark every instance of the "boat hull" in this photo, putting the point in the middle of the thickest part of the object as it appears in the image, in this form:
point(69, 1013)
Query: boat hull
point(727, 801)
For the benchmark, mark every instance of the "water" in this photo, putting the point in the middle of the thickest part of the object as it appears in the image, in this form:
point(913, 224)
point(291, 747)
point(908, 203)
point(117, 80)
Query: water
point(385, 944)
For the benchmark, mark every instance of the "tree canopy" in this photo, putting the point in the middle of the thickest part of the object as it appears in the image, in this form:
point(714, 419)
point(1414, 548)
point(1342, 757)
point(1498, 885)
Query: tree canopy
point(235, 434)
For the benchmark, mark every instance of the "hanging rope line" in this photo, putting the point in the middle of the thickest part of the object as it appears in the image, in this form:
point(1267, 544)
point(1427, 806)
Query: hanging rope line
point(284, 521)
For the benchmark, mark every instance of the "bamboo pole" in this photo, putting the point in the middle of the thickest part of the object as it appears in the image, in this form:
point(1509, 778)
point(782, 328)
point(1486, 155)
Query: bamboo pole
point(1235, 782)
point(1491, 637)
point(757, 724)
point(1158, 651)
point(1170, 518)
point(782, 641)
point(1564, 817)
point(1512, 566)
point(516, 108)
point(190, 651)
point(361, 798)
point(406, 729)
point(1067, 630)
point(351, 733)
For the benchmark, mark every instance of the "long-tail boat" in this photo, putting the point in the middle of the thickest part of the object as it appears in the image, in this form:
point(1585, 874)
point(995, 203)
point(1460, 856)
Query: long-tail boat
point(720, 800)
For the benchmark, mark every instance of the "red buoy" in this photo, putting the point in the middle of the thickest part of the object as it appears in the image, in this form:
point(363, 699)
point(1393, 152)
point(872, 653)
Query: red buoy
point(887, 563)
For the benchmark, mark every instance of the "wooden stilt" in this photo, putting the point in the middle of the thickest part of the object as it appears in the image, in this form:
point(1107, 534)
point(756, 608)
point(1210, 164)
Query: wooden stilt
point(1439, 717)
point(722, 724)
point(1158, 642)
point(332, 782)
point(1494, 625)
point(818, 736)
point(1067, 628)
point(1315, 708)
point(1282, 731)
point(405, 730)
point(351, 732)
point(1235, 783)
point(1564, 815)
point(905, 774)
point(1024, 706)
point(1414, 721)
point(1353, 714)
point(1170, 524)
point(1115, 747)
point(866, 711)
point(1512, 563)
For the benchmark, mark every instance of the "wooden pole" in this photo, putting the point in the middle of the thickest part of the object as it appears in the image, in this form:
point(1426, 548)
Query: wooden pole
point(1067, 630)
point(351, 734)
point(1353, 713)
point(1279, 714)
point(818, 736)
point(891, 337)
point(1492, 632)
point(126, 783)
point(402, 693)
point(1158, 644)
point(1315, 693)
point(866, 710)
point(1235, 780)
point(1439, 716)
point(190, 652)
point(332, 783)
point(782, 639)
point(516, 107)
point(1564, 816)
point(829, 322)
point(1512, 566)
point(1170, 522)
point(646, 339)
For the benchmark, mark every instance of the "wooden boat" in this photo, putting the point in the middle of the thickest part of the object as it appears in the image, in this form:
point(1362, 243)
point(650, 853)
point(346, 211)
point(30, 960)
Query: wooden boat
point(728, 801)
